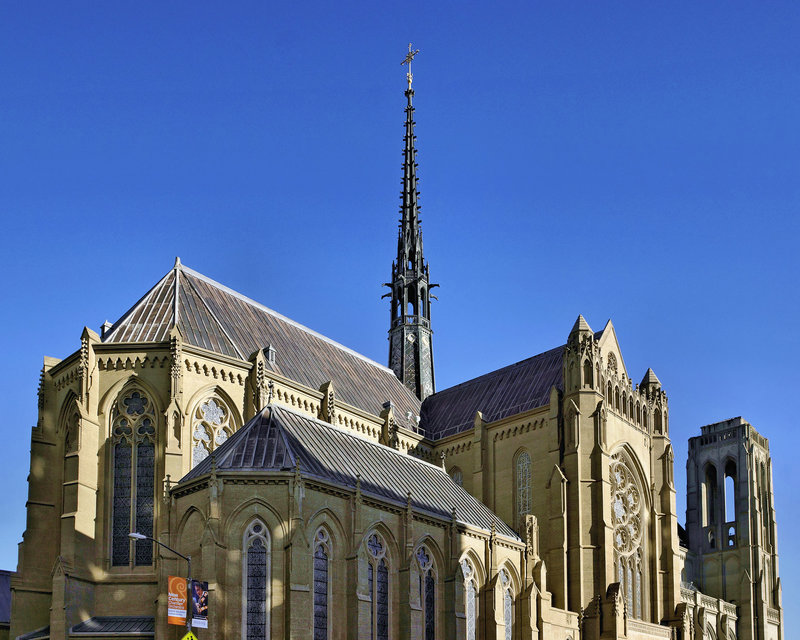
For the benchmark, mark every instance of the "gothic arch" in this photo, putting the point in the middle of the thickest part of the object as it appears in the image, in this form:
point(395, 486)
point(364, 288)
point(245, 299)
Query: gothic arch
point(638, 470)
point(254, 507)
point(208, 390)
point(472, 556)
point(325, 517)
point(185, 518)
point(210, 418)
point(108, 399)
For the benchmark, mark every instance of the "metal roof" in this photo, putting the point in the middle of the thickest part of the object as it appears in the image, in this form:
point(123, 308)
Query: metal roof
point(514, 389)
point(138, 626)
point(280, 439)
point(42, 633)
point(214, 317)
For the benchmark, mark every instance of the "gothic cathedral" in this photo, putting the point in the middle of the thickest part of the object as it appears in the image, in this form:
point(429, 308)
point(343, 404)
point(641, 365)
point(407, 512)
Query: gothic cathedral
point(324, 496)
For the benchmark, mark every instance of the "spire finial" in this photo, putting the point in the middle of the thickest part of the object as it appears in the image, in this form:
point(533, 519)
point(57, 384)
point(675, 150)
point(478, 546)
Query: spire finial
point(409, 57)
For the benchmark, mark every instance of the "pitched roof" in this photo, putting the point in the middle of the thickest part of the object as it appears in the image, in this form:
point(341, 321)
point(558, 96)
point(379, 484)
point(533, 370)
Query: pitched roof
point(514, 389)
point(280, 439)
point(214, 317)
point(650, 378)
point(137, 626)
point(43, 633)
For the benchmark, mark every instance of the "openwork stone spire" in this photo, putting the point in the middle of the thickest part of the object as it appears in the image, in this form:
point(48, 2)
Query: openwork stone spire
point(410, 354)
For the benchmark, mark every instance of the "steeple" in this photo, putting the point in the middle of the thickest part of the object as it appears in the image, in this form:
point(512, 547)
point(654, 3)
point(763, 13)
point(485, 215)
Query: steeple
point(410, 350)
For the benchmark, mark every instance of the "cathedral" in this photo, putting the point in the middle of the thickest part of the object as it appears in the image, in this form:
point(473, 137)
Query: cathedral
point(324, 496)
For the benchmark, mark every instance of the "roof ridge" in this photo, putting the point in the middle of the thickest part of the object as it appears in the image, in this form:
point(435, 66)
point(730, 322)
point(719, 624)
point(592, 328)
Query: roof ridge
point(136, 306)
point(280, 316)
point(350, 434)
point(213, 315)
point(489, 373)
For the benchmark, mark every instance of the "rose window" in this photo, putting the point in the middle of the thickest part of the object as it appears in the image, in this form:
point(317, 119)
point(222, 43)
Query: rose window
point(626, 508)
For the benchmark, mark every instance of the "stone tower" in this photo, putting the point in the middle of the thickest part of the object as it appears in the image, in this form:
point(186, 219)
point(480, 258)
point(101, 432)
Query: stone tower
point(410, 349)
point(730, 523)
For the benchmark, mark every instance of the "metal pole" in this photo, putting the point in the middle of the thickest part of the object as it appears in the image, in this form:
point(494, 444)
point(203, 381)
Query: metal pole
point(140, 536)
point(188, 596)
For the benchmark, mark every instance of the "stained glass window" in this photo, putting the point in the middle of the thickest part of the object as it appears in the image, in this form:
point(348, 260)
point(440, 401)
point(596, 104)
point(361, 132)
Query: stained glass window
point(256, 582)
point(427, 591)
point(523, 486)
point(457, 476)
point(470, 597)
point(321, 586)
point(133, 433)
point(378, 588)
point(626, 507)
point(212, 425)
point(508, 604)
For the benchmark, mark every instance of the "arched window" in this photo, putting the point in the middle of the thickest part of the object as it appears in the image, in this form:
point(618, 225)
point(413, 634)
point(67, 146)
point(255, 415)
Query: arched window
point(470, 597)
point(212, 424)
point(626, 505)
point(638, 414)
point(616, 398)
point(630, 408)
point(378, 585)
point(730, 491)
point(710, 496)
point(457, 476)
point(427, 591)
point(657, 425)
point(508, 604)
point(523, 486)
point(588, 377)
point(133, 432)
point(609, 395)
point(72, 435)
point(322, 555)
point(255, 582)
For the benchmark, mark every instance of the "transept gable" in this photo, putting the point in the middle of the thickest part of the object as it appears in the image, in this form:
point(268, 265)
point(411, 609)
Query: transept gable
point(609, 345)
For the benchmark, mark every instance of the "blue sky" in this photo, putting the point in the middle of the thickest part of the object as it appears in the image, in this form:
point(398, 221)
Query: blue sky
point(628, 160)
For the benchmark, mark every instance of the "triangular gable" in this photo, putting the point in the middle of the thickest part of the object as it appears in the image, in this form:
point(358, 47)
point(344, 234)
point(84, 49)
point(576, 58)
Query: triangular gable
point(609, 343)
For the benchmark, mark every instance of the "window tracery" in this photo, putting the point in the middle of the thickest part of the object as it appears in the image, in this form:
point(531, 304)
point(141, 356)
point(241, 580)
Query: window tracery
point(212, 425)
point(427, 591)
point(322, 554)
point(457, 476)
point(256, 582)
point(523, 486)
point(470, 597)
point(378, 585)
point(133, 433)
point(626, 507)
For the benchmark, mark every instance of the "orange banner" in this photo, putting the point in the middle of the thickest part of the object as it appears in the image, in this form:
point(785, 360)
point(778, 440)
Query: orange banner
point(176, 600)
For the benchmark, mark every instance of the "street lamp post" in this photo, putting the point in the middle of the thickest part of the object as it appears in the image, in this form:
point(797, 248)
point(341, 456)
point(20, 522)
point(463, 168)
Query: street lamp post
point(140, 536)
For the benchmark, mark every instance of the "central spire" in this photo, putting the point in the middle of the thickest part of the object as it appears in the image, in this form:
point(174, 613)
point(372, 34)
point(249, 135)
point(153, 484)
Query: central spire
point(410, 351)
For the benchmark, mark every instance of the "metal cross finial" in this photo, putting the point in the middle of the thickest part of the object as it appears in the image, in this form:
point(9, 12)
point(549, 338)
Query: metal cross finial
point(409, 57)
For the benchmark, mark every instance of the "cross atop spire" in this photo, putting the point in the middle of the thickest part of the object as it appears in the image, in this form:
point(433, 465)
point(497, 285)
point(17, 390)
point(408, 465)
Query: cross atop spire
point(409, 57)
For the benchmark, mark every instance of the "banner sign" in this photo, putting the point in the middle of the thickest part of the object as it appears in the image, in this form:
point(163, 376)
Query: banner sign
point(176, 600)
point(199, 604)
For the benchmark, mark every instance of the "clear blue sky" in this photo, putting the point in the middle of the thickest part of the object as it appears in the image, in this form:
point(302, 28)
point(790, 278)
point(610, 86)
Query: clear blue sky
point(627, 160)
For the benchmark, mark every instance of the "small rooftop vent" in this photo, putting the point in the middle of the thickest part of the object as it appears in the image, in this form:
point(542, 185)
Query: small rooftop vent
point(270, 353)
point(105, 328)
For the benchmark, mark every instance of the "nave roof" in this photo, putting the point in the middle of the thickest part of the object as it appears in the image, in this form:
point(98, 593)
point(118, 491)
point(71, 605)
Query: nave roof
point(214, 317)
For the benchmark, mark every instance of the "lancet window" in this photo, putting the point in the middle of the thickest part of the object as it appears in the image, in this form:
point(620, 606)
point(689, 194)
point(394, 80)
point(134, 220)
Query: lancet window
point(133, 432)
point(626, 506)
point(212, 424)
point(322, 556)
point(457, 476)
point(470, 598)
point(378, 585)
point(427, 591)
point(256, 547)
point(508, 604)
point(523, 486)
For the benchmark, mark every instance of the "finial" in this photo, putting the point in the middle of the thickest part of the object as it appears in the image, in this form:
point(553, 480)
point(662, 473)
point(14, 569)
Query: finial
point(409, 57)
point(177, 262)
point(441, 461)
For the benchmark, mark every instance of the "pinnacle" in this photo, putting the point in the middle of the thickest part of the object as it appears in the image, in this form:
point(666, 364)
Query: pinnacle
point(580, 325)
point(650, 378)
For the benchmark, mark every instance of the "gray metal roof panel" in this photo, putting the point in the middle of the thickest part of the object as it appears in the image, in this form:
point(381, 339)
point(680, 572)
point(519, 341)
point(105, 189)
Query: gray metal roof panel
point(284, 438)
point(211, 316)
point(127, 625)
point(513, 389)
point(41, 633)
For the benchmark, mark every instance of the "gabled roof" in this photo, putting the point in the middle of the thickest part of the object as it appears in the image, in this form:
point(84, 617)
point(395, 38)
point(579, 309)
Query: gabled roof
point(214, 317)
point(281, 439)
point(514, 389)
